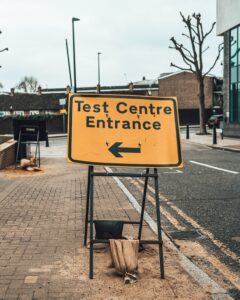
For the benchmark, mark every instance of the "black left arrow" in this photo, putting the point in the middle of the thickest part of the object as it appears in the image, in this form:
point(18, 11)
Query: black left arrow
point(115, 149)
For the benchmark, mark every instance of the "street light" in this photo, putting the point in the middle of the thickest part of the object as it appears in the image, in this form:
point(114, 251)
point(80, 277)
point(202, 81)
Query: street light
point(99, 87)
point(74, 60)
point(69, 67)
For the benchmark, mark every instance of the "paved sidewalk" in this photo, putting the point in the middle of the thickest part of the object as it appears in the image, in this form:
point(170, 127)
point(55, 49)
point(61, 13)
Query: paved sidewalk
point(41, 238)
point(231, 144)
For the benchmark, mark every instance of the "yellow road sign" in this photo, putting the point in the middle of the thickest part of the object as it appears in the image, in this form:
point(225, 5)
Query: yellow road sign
point(124, 130)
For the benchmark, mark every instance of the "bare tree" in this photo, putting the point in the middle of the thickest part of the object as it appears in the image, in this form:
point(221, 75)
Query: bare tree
point(193, 57)
point(28, 84)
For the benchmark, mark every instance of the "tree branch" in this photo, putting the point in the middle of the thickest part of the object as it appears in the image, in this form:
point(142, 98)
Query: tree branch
point(181, 68)
point(192, 38)
point(206, 34)
point(190, 54)
point(205, 49)
point(220, 48)
point(184, 34)
point(200, 39)
point(179, 48)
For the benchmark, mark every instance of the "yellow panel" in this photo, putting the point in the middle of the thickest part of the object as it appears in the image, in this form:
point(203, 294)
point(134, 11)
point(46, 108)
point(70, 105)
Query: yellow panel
point(124, 131)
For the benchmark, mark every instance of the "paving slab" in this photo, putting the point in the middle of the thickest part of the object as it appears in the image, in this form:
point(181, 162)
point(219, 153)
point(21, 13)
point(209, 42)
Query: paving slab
point(41, 241)
point(231, 144)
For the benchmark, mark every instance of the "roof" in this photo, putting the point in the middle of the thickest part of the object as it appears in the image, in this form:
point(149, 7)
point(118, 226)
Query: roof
point(138, 86)
point(166, 75)
point(50, 100)
point(145, 82)
point(31, 101)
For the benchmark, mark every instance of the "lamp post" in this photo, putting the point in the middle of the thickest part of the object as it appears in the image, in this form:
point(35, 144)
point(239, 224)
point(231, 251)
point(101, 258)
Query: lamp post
point(69, 67)
point(74, 59)
point(99, 86)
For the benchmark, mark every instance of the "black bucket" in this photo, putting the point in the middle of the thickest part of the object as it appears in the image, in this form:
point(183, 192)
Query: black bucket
point(106, 229)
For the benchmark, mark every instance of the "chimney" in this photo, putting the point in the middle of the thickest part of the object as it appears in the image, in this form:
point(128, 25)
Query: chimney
point(39, 90)
point(12, 92)
point(68, 89)
point(98, 88)
point(130, 86)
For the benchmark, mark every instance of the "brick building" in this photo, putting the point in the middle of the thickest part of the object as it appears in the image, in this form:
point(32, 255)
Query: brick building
point(184, 86)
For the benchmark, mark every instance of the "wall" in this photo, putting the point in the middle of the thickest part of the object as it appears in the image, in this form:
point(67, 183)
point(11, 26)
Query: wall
point(4, 138)
point(184, 85)
point(226, 82)
point(231, 130)
point(191, 116)
point(54, 125)
point(228, 15)
point(7, 153)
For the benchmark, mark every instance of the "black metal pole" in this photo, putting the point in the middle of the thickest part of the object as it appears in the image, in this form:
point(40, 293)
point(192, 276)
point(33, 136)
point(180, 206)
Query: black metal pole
point(74, 58)
point(87, 208)
point(91, 223)
point(69, 66)
point(187, 131)
point(47, 140)
point(99, 68)
point(159, 225)
point(99, 80)
point(143, 206)
point(214, 135)
point(39, 154)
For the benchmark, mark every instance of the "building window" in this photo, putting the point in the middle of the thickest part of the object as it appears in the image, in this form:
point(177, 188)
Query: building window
point(234, 105)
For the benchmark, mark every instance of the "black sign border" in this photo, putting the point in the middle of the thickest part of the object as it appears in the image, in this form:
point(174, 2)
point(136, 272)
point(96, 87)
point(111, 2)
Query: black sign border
point(119, 164)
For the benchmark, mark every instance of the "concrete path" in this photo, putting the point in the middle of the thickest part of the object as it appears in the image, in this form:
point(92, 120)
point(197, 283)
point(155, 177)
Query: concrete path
point(232, 144)
point(41, 241)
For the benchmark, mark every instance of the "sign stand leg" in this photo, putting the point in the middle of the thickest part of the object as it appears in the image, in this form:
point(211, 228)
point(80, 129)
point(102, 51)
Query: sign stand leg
point(143, 205)
point(87, 209)
point(89, 214)
point(160, 244)
point(91, 221)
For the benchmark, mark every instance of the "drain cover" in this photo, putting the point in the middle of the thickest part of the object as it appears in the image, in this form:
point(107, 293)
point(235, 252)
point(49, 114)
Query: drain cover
point(185, 235)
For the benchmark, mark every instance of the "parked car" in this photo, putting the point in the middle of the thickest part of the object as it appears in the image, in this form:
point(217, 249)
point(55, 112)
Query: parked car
point(215, 120)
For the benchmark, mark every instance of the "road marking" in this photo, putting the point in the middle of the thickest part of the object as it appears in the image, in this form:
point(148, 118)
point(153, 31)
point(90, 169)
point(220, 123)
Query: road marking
point(223, 248)
point(172, 171)
point(212, 167)
point(167, 215)
point(199, 275)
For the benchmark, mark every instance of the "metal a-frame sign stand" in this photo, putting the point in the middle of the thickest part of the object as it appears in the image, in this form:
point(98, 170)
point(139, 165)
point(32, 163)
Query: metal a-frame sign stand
point(90, 207)
point(98, 126)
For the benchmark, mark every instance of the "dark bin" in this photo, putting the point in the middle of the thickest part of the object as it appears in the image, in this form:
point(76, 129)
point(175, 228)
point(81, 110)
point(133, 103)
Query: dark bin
point(106, 229)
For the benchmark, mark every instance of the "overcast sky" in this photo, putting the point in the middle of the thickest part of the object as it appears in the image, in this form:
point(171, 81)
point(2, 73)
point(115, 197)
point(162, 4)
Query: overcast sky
point(133, 36)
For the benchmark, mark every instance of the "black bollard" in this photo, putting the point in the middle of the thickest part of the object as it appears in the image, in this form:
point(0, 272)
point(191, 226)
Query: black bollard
point(187, 132)
point(47, 141)
point(214, 135)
